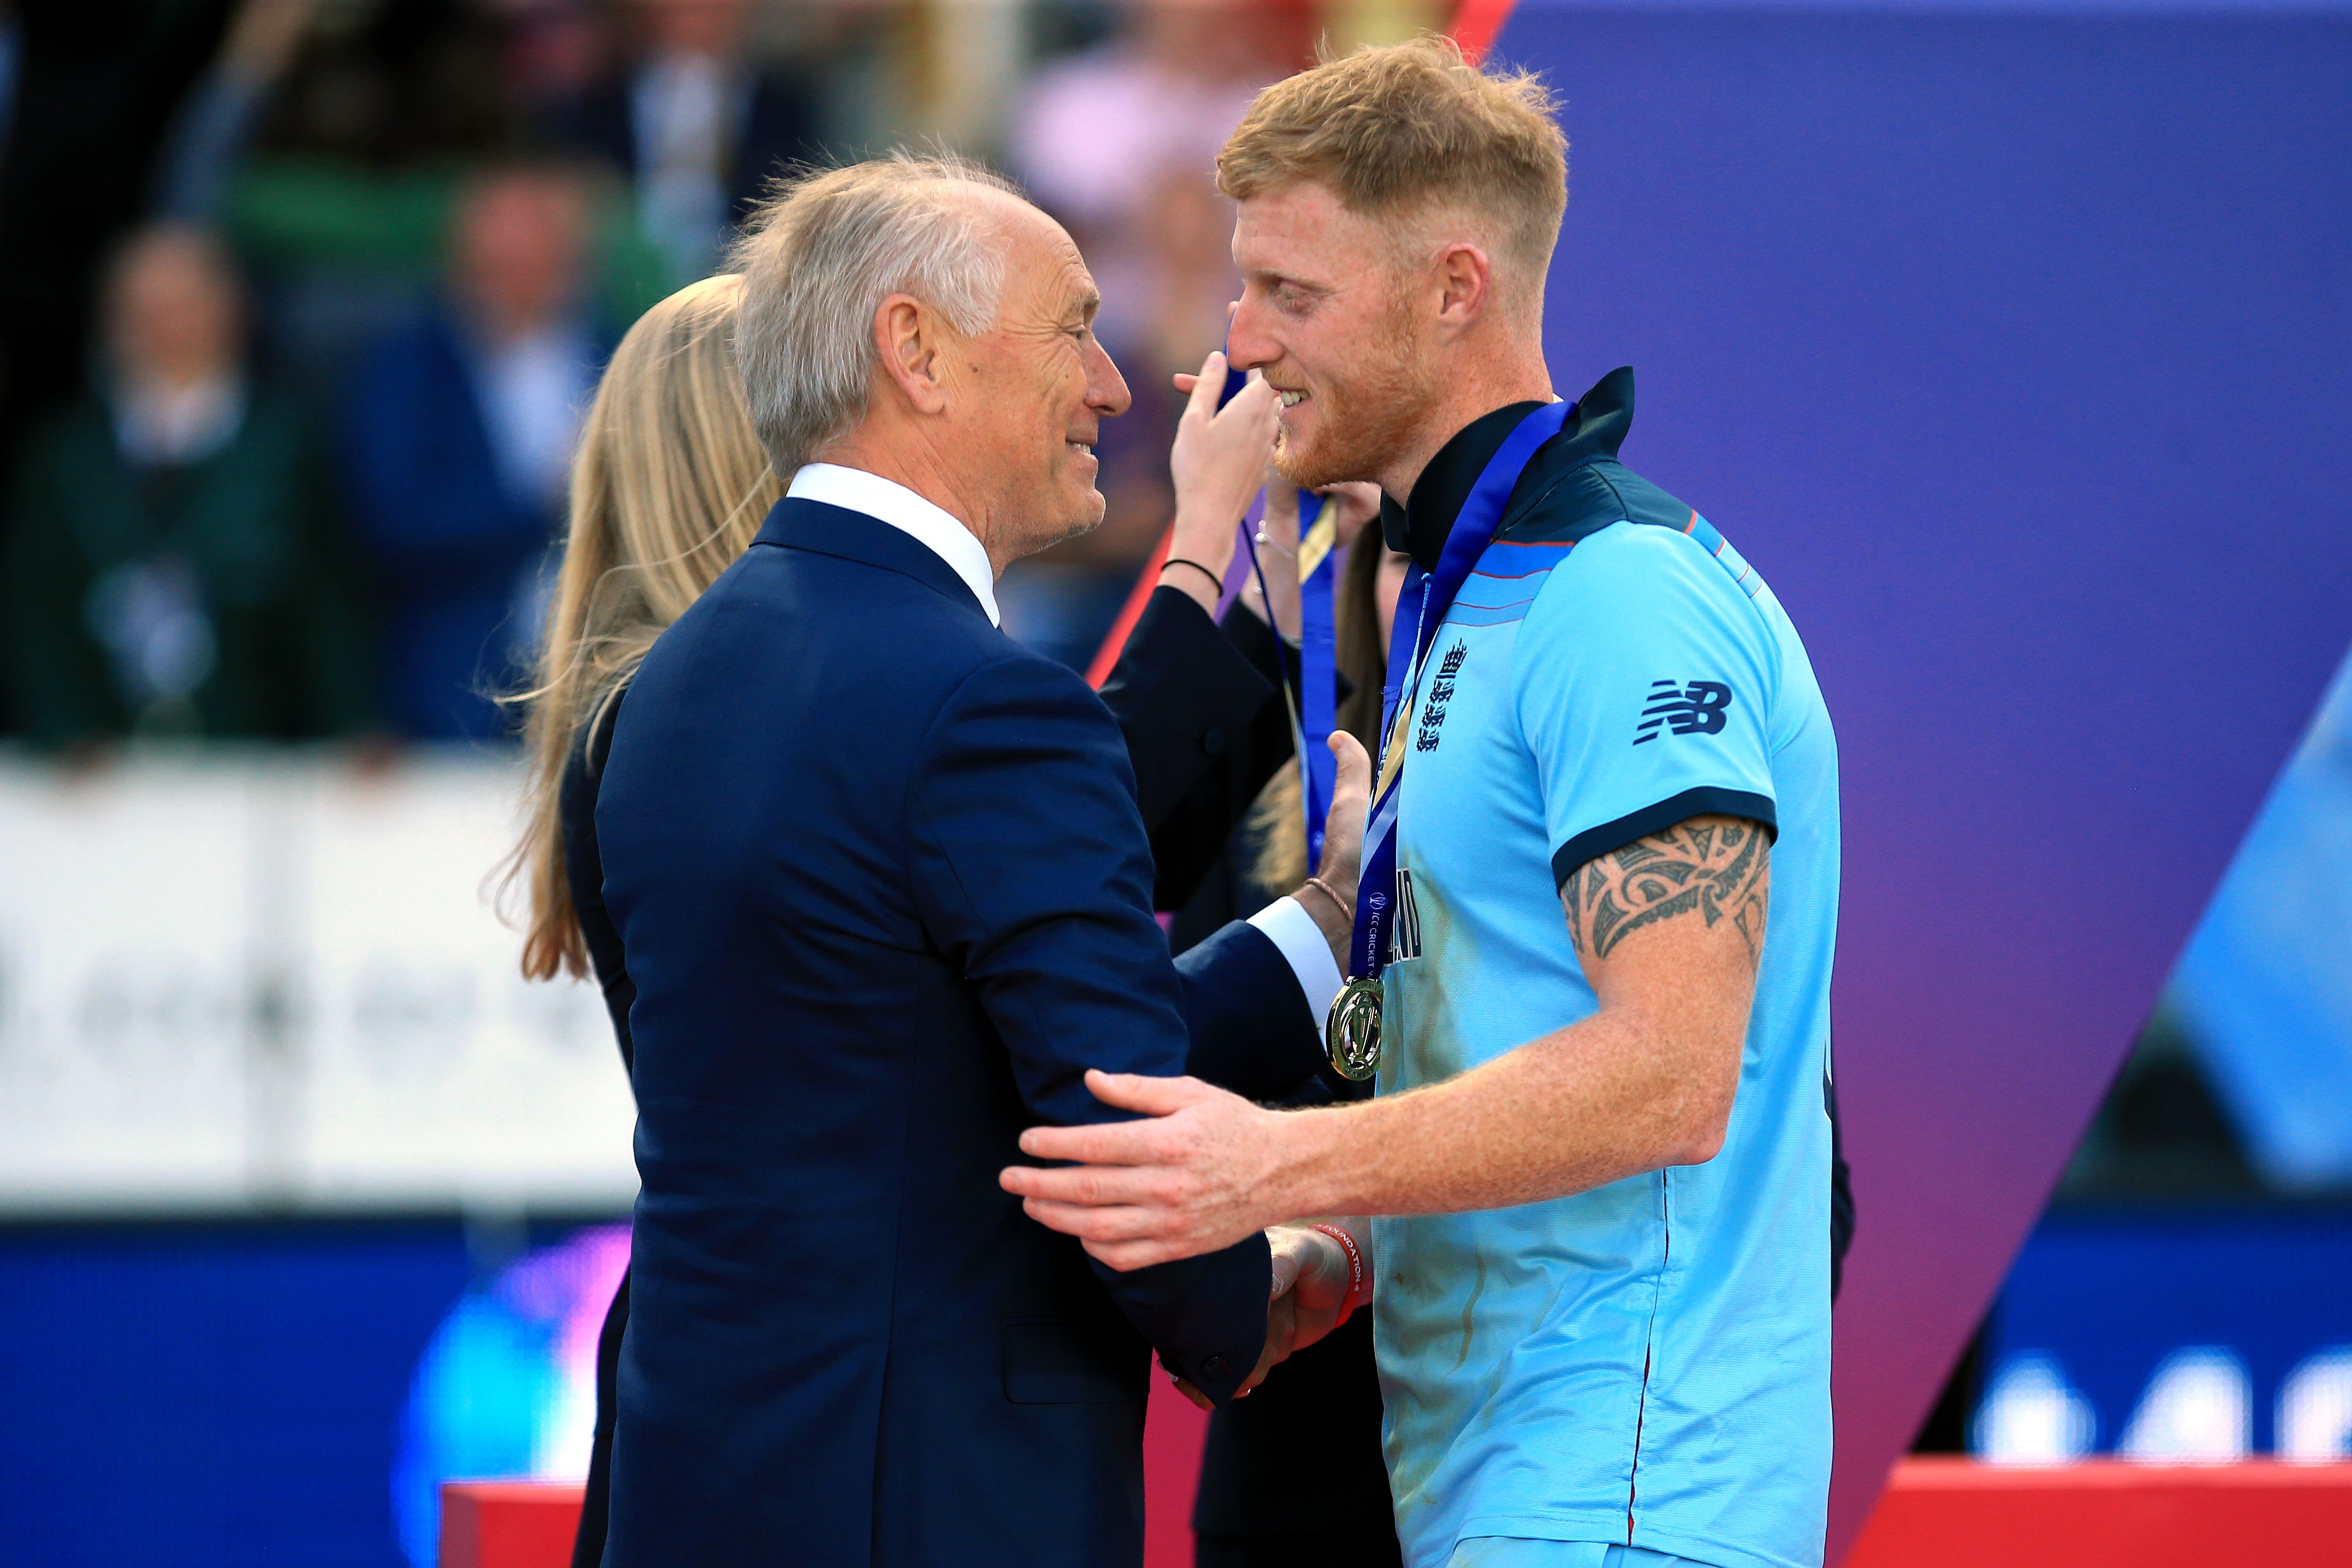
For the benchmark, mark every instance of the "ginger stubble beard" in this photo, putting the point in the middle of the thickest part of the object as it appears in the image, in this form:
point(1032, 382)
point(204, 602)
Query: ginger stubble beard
point(1356, 436)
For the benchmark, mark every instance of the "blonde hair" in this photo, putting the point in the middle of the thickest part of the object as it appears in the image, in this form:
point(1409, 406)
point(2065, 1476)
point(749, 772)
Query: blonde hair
point(668, 488)
point(1409, 129)
point(818, 259)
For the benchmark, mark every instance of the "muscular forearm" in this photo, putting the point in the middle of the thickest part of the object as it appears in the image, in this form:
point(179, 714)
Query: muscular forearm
point(1609, 1097)
point(1646, 1081)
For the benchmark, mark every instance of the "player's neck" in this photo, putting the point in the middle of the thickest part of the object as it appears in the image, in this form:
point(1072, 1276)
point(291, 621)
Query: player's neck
point(1477, 386)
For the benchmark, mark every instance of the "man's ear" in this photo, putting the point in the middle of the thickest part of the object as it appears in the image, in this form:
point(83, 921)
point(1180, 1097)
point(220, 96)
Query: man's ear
point(1465, 278)
point(908, 338)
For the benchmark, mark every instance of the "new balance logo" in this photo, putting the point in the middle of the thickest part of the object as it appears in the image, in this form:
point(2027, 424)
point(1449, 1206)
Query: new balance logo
point(1696, 709)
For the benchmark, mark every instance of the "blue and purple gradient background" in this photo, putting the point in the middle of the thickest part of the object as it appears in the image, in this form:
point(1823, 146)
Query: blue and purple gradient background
point(2016, 352)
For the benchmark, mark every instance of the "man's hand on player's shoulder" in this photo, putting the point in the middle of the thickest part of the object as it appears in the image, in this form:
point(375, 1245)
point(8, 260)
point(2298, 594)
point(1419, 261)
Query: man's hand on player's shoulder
point(1669, 929)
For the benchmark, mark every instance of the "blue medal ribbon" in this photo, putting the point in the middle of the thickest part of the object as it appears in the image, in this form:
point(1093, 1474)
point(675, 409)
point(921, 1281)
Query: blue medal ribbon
point(1314, 708)
point(1318, 676)
point(1431, 594)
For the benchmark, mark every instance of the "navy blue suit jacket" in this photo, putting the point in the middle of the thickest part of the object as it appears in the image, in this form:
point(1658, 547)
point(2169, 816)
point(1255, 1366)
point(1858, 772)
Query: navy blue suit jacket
point(884, 894)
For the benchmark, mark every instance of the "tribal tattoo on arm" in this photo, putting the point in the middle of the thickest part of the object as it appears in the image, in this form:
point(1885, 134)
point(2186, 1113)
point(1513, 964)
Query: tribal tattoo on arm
point(1719, 868)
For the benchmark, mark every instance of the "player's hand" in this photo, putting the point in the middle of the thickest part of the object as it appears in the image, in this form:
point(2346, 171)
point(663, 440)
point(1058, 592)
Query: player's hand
point(1307, 1301)
point(1317, 1286)
point(1196, 1174)
point(1343, 845)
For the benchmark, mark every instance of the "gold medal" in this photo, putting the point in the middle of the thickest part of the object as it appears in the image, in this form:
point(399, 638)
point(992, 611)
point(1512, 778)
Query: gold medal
point(1352, 1035)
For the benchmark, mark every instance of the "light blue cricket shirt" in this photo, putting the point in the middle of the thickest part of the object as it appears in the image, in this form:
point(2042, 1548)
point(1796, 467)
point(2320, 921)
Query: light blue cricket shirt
point(1649, 1361)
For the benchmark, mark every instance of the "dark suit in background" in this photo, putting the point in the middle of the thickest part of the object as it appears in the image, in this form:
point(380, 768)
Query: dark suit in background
point(449, 544)
point(772, 124)
point(207, 596)
point(884, 894)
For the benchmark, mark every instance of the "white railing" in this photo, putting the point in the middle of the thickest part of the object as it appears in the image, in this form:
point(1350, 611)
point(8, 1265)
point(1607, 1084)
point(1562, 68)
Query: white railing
point(238, 982)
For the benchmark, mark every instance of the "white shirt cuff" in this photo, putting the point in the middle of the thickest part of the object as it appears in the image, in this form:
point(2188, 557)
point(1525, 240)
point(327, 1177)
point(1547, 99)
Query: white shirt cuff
point(1291, 929)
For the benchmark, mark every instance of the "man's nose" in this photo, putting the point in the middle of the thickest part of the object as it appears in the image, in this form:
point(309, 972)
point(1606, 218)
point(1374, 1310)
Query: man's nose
point(1106, 391)
point(1248, 346)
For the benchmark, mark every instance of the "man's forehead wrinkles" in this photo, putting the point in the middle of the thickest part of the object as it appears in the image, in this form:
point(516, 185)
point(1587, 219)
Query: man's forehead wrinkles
point(1075, 286)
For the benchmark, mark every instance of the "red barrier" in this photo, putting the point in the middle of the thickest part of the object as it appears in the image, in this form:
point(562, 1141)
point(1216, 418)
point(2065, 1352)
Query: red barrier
point(1476, 23)
point(530, 1524)
point(507, 1524)
point(1175, 1429)
point(2104, 1514)
point(1936, 1513)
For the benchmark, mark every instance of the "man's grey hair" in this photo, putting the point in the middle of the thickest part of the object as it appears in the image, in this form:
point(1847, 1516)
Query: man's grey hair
point(818, 259)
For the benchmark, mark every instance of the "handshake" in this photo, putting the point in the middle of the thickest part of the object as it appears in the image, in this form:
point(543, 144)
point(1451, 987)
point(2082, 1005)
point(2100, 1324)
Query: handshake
point(1322, 1274)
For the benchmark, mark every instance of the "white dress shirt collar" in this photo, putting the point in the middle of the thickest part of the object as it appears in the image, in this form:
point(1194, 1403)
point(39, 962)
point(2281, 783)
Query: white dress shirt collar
point(855, 491)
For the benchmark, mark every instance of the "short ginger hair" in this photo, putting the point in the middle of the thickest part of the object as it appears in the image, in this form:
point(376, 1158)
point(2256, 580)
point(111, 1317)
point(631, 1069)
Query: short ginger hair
point(1409, 129)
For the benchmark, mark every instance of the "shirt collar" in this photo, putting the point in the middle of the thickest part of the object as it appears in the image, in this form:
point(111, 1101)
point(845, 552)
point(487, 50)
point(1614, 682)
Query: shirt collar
point(855, 491)
point(1596, 427)
point(1418, 528)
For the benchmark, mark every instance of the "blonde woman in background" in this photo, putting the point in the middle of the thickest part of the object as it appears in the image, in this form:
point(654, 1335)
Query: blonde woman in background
point(669, 487)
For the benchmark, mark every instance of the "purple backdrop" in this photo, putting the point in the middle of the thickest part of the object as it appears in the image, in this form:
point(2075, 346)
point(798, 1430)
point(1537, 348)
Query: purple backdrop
point(2014, 351)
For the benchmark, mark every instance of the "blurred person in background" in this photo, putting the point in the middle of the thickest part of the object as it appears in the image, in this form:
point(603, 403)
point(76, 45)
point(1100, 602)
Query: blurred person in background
point(1314, 1427)
point(1100, 135)
point(458, 441)
point(694, 122)
point(332, 143)
point(85, 94)
point(171, 561)
point(669, 487)
point(209, 130)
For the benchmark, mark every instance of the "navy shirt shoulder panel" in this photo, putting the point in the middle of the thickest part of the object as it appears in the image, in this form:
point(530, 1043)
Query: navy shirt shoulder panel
point(1578, 502)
